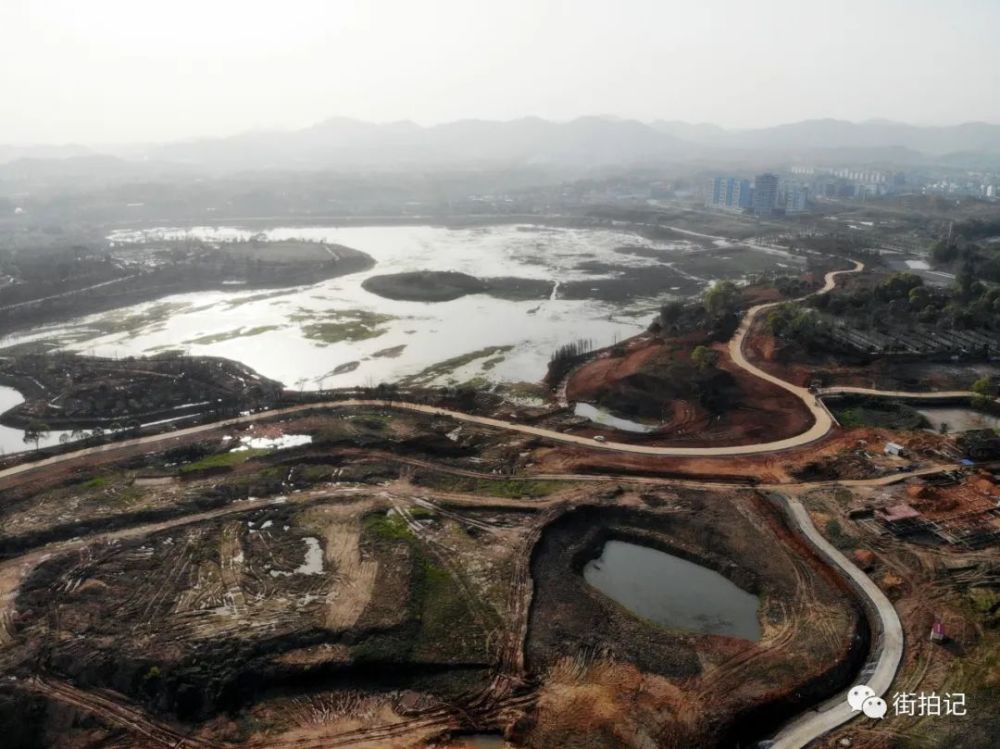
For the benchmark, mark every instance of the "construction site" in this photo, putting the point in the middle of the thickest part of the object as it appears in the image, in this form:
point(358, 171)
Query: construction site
point(945, 509)
point(709, 553)
point(397, 594)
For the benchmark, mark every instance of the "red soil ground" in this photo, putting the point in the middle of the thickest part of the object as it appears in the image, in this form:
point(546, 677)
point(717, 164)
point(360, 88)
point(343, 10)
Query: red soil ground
point(764, 412)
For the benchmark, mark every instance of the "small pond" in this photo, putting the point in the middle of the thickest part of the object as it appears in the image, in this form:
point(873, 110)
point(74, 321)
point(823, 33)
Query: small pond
point(673, 592)
point(960, 419)
point(605, 419)
point(12, 439)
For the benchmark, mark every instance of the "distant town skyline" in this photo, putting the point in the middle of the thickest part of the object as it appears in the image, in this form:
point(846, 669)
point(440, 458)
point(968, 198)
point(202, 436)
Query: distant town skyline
point(110, 71)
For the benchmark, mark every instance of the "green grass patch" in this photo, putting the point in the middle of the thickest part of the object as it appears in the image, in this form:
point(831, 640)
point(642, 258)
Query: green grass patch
point(364, 428)
point(388, 527)
point(448, 366)
point(440, 623)
point(443, 607)
point(98, 482)
point(877, 413)
point(315, 473)
point(228, 335)
point(373, 422)
point(222, 460)
point(986, 605)
point(234, 303)
point(502, 488)
point(524, 390)
point(153, 317)
point(336, 326)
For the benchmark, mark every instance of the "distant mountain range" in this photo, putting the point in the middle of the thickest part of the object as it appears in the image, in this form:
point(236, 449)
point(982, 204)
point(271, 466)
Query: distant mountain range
point(840, 134)
point(587, 142)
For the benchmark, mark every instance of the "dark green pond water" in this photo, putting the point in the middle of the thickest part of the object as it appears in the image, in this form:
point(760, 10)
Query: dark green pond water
point(673, 592)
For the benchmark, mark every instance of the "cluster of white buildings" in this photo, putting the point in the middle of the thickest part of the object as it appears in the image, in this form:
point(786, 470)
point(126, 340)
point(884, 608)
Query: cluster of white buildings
point(975, 188)
point(851, 182)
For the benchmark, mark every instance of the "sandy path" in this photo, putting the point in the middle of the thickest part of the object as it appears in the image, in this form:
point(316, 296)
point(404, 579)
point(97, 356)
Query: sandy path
point(355, 577)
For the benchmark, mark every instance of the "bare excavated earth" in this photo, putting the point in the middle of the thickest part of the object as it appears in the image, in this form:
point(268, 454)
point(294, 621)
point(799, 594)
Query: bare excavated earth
point(387, 585)
point(654, 381)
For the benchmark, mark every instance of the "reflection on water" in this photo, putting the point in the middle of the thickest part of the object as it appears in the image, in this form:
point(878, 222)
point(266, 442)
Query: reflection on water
point(673, 592)
point(267, 330)
point(11, 439)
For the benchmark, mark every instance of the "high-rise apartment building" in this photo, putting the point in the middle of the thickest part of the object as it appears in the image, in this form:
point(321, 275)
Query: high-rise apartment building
point(730, 192)
point(765, 194)
point(796, 198)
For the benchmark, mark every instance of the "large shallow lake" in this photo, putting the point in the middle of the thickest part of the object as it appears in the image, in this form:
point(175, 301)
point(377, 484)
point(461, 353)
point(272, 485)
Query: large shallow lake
point(673, 592)
point(386, 340)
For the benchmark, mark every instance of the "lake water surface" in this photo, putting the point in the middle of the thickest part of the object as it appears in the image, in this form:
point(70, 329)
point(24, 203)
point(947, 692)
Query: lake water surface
point(673, 592)
point(11, 439)
point(384, 340)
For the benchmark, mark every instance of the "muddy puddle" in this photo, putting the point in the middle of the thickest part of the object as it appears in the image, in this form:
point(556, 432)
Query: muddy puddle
point(673, 592)
point(607, 419)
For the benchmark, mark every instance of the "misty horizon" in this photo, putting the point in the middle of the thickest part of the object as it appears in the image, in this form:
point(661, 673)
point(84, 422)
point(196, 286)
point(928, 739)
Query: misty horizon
point(117, 72)
point(326, 121)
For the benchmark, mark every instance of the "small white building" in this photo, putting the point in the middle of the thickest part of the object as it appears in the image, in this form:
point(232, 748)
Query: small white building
point(894, 448)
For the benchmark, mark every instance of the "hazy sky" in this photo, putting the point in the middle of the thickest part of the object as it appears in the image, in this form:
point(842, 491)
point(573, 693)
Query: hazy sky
point(132, 70)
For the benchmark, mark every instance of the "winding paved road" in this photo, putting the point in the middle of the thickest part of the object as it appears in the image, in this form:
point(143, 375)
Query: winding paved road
point(831, 714)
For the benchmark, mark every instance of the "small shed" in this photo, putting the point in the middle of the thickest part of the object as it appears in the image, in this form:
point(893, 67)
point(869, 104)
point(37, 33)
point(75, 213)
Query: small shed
point(894, 448)
point(901, 519)
point(898, 513)
point(938, 633)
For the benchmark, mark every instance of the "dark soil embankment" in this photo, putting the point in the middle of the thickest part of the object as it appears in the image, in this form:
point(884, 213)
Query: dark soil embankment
point(22, 718)
point(68, 391)
point(444, 286)
point(158, 623)
point(207, 270)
